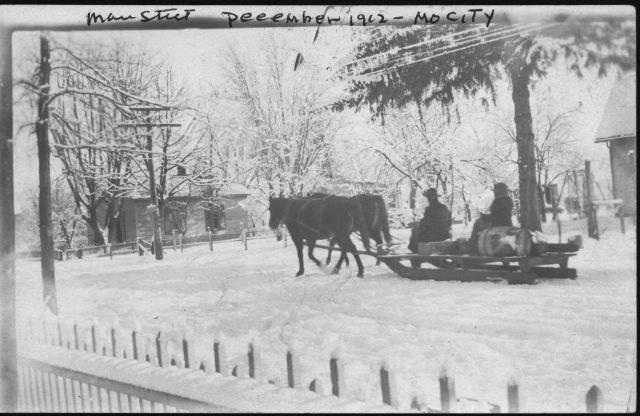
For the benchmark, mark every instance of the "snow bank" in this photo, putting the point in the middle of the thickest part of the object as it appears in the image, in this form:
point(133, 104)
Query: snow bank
point(556, 338)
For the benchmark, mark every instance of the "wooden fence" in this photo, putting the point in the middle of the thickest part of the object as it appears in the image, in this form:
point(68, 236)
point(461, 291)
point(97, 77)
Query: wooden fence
point(38, 378)
point(177, 242)
point(45, 387)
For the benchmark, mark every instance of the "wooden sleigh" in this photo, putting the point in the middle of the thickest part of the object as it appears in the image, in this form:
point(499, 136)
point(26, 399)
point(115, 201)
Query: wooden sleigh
point(470, 268)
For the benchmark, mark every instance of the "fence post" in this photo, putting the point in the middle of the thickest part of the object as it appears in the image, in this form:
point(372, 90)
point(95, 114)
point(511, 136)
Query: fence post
point(253, 361)
point(316, 386)
point(293, 369)
point(114, 343)
point(592, 213)
point(416, 402)
point(244, 238)
point(594, 400)
point(219, 358)
point(140, 249)
point(161, 349)
point(512, 397)
point(337, 375)
point(447, 392)
point(388, 386)
point(76, 341)
point(621, 213)
point(110, 252)
point(205, 366)
point(210, 239)
point(135, 344)
point(181, 245)
point(94, 344)
point(187, 349)
point(173, 239)
point(285, 238)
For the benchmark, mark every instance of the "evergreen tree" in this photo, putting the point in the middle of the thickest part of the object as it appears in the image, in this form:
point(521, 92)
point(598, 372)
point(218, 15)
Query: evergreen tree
point(437, 64)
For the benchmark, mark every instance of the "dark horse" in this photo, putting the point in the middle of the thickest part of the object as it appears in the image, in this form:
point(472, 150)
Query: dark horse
point(317, 219)
point(376, 220)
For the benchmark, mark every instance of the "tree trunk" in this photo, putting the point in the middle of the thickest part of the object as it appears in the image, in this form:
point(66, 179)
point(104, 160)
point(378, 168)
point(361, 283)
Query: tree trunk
point(543, 214)
point(98, 238)
point(529, 205)
point(157, 226)
point(46, 222)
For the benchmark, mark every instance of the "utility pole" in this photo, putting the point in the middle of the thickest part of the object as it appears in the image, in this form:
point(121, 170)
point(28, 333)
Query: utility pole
point(157, 223)
point(44, 170)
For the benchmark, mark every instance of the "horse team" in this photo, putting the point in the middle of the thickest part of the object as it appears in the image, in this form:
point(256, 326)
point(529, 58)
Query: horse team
point(321, 216)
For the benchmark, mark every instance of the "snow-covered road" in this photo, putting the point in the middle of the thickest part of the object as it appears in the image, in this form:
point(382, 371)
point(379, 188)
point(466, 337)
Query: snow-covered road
point(556, 338)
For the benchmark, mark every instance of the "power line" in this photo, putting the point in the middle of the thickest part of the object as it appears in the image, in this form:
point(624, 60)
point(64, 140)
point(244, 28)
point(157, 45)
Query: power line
point(448, 50)
point(460, 40)
point(407, 47)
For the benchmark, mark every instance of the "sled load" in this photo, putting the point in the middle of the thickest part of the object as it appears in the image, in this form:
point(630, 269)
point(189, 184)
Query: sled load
point(503, 253)
point(509, 254)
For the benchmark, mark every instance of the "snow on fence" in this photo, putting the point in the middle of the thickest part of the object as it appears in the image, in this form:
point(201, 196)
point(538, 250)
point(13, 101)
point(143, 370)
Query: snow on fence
point(124, 370)
point(177, 241)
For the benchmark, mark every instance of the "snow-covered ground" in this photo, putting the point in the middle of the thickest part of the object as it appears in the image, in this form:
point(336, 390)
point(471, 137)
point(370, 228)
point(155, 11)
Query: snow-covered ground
point(556, 338)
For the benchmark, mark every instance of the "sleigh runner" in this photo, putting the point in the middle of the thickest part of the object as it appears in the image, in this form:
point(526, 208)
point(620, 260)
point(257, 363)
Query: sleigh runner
point(474, 268)
point(513, 269)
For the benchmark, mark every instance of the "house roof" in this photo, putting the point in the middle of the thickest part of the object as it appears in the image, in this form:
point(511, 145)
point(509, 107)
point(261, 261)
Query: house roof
point(234, 189)
point(619, 117)
point(228, 190)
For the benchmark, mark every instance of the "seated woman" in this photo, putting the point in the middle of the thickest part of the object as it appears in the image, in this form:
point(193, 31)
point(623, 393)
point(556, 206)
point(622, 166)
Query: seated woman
point(501, 207)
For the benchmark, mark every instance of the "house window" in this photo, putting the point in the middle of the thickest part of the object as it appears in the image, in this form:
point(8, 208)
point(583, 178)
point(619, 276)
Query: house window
point(214, 218)
point(175, 218)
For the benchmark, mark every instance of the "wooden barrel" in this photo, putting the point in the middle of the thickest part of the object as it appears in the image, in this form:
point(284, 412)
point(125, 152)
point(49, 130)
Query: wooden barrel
point(504, 241)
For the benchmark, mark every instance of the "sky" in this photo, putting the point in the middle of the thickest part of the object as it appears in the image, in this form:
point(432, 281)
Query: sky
point(198, 54)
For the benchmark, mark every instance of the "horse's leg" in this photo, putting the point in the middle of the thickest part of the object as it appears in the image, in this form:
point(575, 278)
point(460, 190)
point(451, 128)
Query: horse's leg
point(346, 244)
point(343, 257)
point(378, 239)
point(297, 241)
point(332, 243)
point(312, 244)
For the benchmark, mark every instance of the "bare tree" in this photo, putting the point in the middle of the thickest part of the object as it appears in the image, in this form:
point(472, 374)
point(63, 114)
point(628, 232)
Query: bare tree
point(290, 128)
point(415, 146)
point(556, 147)
point(88, 96)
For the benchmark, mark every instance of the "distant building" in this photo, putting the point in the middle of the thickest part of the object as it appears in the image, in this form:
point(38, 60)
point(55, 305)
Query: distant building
point(618, 130)
point(193, 216)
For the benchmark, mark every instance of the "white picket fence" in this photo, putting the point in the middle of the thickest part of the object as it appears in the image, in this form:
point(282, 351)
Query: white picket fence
point(66, 353)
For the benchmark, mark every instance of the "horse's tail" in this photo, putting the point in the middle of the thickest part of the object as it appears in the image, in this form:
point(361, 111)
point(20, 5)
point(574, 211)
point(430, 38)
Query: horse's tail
point(356, 211)
point(384, 220)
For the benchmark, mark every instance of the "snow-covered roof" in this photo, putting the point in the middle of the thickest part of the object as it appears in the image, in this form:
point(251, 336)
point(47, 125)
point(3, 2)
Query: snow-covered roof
point(185, 191)
point(619, 118)
point(234, 189)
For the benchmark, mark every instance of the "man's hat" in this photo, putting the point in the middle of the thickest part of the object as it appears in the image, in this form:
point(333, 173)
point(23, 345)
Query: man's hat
point(500, 187)
point(430, 192)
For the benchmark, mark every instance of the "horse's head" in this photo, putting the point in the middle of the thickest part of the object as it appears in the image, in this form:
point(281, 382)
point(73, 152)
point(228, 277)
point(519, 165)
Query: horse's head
point(277, 211)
